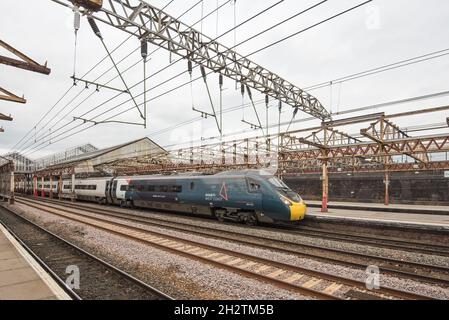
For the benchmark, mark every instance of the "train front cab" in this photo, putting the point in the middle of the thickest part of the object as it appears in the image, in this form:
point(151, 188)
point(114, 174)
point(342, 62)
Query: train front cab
point(297, 209)
point(281, 204)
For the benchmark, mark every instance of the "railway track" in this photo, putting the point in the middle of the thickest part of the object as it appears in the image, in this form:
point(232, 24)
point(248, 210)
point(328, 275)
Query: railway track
point(98, 279)
point(418, 271)
point(378, 241)
point(304, 281)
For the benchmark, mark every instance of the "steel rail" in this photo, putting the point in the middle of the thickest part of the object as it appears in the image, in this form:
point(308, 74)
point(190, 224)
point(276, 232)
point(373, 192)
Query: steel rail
point(378, 241)
point(258, 242)
point(79, 250)
point(132, 233)
point(55, 277)
point(283, 266)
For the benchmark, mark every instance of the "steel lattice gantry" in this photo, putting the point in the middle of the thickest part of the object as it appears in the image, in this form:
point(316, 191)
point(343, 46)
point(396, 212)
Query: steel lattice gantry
point(151, 24)
point(383, 143)
point(293, 157)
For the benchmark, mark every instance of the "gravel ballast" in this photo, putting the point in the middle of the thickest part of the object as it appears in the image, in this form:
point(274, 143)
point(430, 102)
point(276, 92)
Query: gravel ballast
point(187, 279)
point(174, 275)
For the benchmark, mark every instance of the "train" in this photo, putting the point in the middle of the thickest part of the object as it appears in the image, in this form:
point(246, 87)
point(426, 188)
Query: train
point(249, 197)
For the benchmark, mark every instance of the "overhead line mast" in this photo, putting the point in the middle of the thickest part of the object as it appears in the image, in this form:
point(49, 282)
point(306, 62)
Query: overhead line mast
point(151, 24)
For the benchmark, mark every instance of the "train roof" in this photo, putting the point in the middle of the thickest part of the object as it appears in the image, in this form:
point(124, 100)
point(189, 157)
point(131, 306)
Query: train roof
point(233, 174)
point(192, 175)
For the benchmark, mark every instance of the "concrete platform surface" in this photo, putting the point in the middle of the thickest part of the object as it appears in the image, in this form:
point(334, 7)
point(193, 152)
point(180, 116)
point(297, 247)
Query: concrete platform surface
point(21, 277)
point(390, 218)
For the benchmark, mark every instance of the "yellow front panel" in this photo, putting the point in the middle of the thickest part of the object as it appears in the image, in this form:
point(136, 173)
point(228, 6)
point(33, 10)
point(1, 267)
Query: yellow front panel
point(298, 211)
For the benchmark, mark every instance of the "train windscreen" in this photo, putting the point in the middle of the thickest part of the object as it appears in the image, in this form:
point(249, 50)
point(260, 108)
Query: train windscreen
point(284, 190)
point(278, 183)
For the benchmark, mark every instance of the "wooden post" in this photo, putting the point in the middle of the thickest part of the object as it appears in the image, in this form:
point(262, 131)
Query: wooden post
point(325, 200)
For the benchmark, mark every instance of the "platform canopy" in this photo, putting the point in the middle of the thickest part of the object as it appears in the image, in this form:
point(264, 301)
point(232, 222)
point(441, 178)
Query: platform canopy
point(104, 161)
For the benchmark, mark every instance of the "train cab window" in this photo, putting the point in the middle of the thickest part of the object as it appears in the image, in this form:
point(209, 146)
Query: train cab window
point(124, 188)
point(253, 185)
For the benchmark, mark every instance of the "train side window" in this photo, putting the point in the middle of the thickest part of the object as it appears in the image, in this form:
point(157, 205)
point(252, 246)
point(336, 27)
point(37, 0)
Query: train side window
point(192, 185)
point(253, 185)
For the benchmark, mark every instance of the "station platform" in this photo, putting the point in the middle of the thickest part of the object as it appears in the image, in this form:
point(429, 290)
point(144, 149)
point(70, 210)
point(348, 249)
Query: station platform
point(21, 277)
point(378, 207)
point(378, 217)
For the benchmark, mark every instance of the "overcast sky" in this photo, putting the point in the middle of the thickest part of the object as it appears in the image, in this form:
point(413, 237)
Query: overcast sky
point(380, 33)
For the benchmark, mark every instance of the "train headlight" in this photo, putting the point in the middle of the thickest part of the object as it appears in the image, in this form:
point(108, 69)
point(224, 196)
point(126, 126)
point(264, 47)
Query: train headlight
point(286, 202)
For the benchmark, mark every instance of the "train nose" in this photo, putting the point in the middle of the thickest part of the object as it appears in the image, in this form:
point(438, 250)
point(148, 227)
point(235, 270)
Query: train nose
point(298, 211)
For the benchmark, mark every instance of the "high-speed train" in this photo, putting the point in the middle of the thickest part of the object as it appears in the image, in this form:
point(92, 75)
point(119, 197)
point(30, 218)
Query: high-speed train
point(245, 196)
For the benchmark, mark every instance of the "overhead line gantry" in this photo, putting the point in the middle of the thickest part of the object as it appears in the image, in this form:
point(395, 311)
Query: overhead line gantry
point(153, 25)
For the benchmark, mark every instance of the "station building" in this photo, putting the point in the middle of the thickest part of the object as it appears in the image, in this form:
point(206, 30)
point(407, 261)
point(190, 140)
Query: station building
point(83, 161)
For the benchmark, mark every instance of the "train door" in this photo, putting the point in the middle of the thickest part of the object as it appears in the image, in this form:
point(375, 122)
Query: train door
point(122, 188)
point(114, 191)
point(109, 198)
